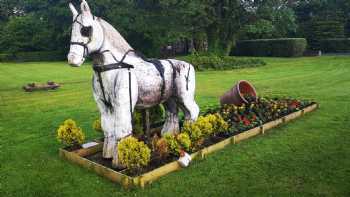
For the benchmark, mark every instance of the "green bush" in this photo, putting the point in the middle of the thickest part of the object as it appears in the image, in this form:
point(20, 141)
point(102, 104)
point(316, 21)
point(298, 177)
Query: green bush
point(336, 45)
point(157, 115)
point(214, 62)
point(32, 56)
point(284, 47)
point(133, 154)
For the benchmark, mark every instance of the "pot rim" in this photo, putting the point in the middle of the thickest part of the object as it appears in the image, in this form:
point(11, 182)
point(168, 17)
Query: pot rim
point(239, 91)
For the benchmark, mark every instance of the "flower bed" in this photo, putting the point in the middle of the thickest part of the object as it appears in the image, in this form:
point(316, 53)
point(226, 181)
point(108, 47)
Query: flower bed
point(214, 130)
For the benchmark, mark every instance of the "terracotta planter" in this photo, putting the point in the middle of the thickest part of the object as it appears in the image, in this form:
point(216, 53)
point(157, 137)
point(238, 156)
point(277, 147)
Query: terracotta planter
point(235, 95)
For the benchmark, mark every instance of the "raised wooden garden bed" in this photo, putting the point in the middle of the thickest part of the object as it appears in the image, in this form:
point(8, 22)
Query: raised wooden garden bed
point(80, 156)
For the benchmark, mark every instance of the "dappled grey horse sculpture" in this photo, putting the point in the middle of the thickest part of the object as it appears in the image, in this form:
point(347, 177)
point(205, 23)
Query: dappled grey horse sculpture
point(124, 80)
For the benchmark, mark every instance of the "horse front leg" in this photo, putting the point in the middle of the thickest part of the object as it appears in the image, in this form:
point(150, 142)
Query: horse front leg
point(107, 125)
point(122, 128)
point(109, 145)
point(107, 120)
point(123, 111)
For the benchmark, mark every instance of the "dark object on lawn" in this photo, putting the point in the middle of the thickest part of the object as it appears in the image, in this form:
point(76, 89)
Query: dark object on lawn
point(50, 85)
point(239, 94)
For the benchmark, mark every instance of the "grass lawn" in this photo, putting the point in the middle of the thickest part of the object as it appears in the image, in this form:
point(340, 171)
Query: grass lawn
point(308, 157)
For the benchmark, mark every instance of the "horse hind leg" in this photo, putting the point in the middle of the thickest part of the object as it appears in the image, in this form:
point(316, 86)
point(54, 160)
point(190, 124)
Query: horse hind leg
point(190, 109)
point(187, 95)
point(171, 124)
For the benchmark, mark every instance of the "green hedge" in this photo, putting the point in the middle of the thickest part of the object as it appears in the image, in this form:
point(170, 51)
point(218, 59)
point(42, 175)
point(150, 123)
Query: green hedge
point(32, 56)
point(336, 45)
point(214, 62)
point(322, 29)
point(283, 47)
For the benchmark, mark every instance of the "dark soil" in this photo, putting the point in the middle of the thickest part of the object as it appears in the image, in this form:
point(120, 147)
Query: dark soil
point(211, 141)
point(73, 148)
point(155, 163)
point(97, 158)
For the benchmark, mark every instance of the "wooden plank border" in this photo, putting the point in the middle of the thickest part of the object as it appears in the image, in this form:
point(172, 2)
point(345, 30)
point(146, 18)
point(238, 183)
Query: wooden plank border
point(77, 156)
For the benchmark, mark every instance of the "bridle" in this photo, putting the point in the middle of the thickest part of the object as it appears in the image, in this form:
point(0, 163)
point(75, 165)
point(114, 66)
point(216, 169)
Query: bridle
point(84, 45)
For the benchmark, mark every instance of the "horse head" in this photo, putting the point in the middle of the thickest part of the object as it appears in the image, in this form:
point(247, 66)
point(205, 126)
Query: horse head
point(87, 34)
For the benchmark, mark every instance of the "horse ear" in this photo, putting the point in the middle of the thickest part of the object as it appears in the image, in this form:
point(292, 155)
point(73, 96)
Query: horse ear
point(74, 11)
point(85, 9)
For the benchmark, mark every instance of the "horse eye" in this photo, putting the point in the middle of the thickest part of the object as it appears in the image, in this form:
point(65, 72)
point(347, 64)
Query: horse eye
point(86, 31)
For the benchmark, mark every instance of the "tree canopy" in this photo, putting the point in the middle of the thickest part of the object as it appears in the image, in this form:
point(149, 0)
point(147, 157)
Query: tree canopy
point(36, 25)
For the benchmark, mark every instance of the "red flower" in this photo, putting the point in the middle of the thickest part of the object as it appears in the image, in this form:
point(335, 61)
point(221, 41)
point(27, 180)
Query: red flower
point(246, 121)
point(254, 118)
point(294, 104)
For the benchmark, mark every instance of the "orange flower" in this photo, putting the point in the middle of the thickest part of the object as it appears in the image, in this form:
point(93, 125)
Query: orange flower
point(182, 153)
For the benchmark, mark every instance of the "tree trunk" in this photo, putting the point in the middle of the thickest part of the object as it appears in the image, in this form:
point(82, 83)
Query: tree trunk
point(213, 37)
point(219, 42)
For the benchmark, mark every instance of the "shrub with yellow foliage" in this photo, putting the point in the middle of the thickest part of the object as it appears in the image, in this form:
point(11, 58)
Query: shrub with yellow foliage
point(204, 127)
point(177, 143)
point(70, 134)
point(218, 123)
point(97, 125)
point(133, 154)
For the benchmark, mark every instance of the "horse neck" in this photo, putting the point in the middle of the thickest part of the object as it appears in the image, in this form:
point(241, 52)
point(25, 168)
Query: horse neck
point(111, 55)
point(114, 47)
point(116, 40)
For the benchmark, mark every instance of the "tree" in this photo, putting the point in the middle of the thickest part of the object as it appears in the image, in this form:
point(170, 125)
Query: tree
point(322, 19)
point(270, 19)
point(258, 30)
point(26, 33)
point(10, 8)
point(224, 19)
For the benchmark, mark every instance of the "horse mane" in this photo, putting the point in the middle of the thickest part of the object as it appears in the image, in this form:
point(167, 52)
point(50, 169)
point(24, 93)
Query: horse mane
point(115, 37)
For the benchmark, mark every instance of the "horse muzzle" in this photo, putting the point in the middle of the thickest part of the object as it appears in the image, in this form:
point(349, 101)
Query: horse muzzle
point(75, 60)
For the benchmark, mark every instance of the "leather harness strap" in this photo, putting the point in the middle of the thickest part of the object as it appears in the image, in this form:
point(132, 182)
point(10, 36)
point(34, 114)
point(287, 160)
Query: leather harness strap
point(99, 69)
point(160, 69)
point(174, 76)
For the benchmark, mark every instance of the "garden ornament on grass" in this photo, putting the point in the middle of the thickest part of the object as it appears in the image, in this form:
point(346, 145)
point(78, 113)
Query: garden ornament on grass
point(185, 159)
point(124, 79)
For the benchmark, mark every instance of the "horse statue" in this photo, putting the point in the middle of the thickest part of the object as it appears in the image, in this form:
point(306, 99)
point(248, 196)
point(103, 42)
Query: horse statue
point(124, 80)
